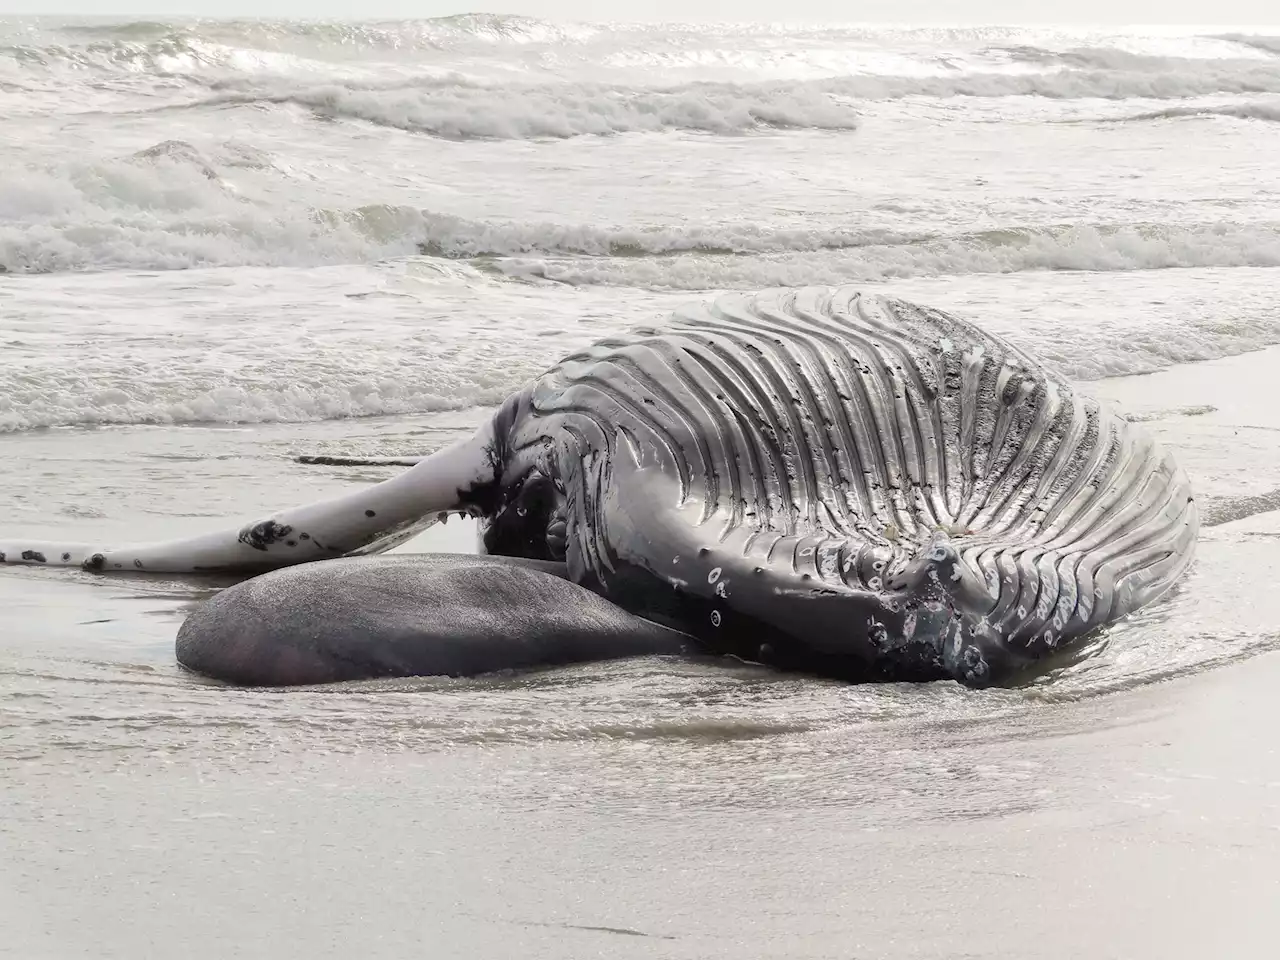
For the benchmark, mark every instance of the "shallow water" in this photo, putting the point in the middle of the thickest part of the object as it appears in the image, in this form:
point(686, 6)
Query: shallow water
point(230, 245)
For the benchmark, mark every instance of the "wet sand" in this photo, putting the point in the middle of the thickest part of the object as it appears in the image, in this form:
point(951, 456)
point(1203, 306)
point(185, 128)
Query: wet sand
point(1129, 807)
point(1138, 826)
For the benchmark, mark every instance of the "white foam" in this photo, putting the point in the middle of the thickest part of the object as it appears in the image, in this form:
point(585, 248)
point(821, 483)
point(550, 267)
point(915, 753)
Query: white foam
point(1259, 43)
point(270, 345)
point(167, 210)
point(263, 345)
point(169, 207)
point(520, 112)
point(172, 207)
point(1064, 84)
point(860, 61)
point(467, 110)
point(54, 405)
point(1236, 111)
point(1086, 247)
point(528, 250)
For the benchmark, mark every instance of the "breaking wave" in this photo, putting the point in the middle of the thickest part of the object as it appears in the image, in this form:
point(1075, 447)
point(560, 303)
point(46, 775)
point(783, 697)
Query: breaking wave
point(1164, 84)
point(719, 256)
point(475, 31)
point(1237, 111)
point(1254, 41)
point(170, 207)
point(167, 207)
point(1076, 247)
point(463, 112)
point(525, 74)
point(430, 34)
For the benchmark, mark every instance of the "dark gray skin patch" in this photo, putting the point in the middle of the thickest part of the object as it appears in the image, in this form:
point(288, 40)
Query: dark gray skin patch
point(96, 562)
point(35, 555)
point(259, 536)
point(65, 557)
point(138, 564)
point(370, 513)
point(2, 558)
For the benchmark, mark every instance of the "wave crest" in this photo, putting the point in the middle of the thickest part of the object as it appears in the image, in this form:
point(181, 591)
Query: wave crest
point(429, 33)
point(174, 206)
point(1236, 111)
point(1103, 248)
point(454, 108)
point(1254, 41)
point(1070, 84)
point(463, 112)
point(518, 52)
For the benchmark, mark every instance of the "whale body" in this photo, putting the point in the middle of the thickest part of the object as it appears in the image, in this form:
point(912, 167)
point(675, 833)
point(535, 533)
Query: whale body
point(847, 485)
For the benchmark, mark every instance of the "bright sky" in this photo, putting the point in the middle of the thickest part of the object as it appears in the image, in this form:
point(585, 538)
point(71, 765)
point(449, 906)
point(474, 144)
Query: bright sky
point(899, 11)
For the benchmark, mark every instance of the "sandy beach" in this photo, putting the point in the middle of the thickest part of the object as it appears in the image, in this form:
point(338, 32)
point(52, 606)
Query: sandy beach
point(1129, 807)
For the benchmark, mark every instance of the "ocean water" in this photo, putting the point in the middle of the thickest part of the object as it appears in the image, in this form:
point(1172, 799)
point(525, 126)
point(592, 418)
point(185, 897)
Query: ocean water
point(230, 222)
point(224, 244)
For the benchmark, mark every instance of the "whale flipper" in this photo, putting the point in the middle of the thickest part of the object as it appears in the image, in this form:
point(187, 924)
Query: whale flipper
point(368, 521)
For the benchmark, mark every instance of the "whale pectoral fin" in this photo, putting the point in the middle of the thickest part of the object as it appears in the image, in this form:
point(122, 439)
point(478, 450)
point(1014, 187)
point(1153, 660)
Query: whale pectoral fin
point(253, 548)
point(403, 616)
point(44, 553)
point(370, 520)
